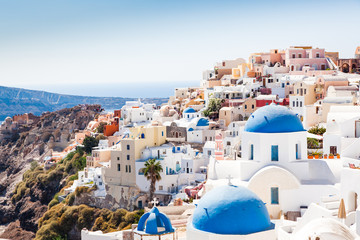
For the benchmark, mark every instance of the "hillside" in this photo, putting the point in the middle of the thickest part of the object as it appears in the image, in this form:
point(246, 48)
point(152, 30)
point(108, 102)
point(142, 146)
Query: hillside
point(18, 101)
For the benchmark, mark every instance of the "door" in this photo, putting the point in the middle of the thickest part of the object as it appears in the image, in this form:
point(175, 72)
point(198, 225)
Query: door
point(357, 128)
point(333, 150)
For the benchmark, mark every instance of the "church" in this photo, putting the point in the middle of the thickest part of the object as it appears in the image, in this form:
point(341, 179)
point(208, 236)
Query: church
point(274, 164)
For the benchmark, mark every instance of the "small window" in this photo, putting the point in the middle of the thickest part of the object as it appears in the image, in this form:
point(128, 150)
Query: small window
point(252, 106)
point(129, 169)
point(228, 143)
point(118, 158)
point(209, 152)
point(245, 106)
point(160, 188)
point(251, 155)
point(293, 55)
point(128, 147)
point(126, 168)
point(275, 153)
point(118, 167)
point(274, 195)
point(300, 104)
point(128, 157)
point(162, 133)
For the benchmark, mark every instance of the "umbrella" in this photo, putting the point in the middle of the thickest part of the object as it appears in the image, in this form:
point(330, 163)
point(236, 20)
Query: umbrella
point(342, 212)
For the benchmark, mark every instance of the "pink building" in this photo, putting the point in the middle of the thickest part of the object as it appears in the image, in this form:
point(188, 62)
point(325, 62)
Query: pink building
point(298, 57)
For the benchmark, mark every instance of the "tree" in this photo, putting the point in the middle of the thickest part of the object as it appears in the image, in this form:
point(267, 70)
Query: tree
point(317, 130)
point(152, 171)
point(90, 142)
point(312, 143)
point(214, 106)
point(100, 128)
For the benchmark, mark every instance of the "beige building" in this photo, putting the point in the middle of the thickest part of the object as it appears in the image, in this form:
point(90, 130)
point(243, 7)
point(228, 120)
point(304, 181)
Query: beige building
point(120, 175)
point(98, 156)
point(230, 114)
point(306, 89)
point(249, 106)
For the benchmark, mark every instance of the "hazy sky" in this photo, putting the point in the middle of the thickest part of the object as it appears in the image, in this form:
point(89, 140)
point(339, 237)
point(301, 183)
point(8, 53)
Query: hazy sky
point(146, 48)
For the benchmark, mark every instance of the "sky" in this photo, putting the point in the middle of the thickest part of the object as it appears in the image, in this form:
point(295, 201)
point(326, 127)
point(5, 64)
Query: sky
point(147, 48)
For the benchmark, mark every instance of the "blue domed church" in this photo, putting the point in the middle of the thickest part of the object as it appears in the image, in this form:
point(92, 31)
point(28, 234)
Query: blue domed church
point(230, 212)
point(274, 163)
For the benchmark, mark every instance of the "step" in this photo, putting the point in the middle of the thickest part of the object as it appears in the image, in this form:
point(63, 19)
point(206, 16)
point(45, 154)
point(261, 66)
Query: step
point(332, 205)
point(330, 198)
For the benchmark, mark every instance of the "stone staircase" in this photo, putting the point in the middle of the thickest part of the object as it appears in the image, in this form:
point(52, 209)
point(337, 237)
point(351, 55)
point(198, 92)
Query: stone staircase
point(331, 203)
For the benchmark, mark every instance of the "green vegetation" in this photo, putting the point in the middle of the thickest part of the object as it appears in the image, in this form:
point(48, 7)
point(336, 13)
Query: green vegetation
point(61, 219)
point(214, 106)
point(312, 143)
point(49, 181)
point(100, 128)
point(317, 130)
point(152, 171)
point(90, 142)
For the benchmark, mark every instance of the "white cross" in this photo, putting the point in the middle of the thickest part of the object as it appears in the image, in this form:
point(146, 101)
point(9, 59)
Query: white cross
point(154, 202)
point(229, 178)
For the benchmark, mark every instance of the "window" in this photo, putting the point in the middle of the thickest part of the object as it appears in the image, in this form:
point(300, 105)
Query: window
point(300, 55)
point(252, 106)
point(118, 167)
point(293, 55)
point(162, 133)
point(304, 91)
point(228, 143)
point(160, 188)
point(317, 55)
point(118, 158)
point(209, 152)
point(245, 106)
point(128, 157)
point(128, 147)
point(297, 103)
point(275, 153)
point(129, 169)
point(274, 195)
point(297, 149)
point(126, 168)
point(251, 155)
point(293, 103)
point(300, 104)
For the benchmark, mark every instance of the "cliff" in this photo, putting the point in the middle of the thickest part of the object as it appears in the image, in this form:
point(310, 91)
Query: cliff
point(22, 205)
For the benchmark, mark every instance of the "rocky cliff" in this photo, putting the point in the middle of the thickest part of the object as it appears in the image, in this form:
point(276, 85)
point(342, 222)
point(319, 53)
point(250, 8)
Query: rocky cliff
point(29, 144)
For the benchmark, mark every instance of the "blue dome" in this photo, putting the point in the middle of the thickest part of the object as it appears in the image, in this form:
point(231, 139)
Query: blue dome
point(202, 122)
point(231, 210)
point(154, 220)
point(273, 119)
point(189, 110)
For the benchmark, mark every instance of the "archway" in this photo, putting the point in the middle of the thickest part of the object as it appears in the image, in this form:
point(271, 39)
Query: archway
point(345, 68)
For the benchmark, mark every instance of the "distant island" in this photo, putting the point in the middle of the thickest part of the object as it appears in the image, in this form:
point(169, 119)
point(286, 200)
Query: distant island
point(19, 101)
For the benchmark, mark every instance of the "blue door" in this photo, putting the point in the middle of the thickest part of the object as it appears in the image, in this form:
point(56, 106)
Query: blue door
point(274, 195)
point(274, 153)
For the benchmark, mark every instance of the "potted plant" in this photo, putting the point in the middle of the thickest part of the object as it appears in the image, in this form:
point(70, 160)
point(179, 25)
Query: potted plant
point(316, 155)
point(325, 156)
point(338, 156)
point(310, 156)
point(331, 156)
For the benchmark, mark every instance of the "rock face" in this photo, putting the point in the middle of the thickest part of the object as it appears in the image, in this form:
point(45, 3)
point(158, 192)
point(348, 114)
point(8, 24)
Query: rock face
point(31, 143)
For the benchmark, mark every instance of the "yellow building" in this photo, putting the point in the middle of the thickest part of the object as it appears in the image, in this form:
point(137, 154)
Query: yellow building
point(306, 89)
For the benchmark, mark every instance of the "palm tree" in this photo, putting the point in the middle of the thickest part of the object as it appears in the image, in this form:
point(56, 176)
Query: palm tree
point(152, 171)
